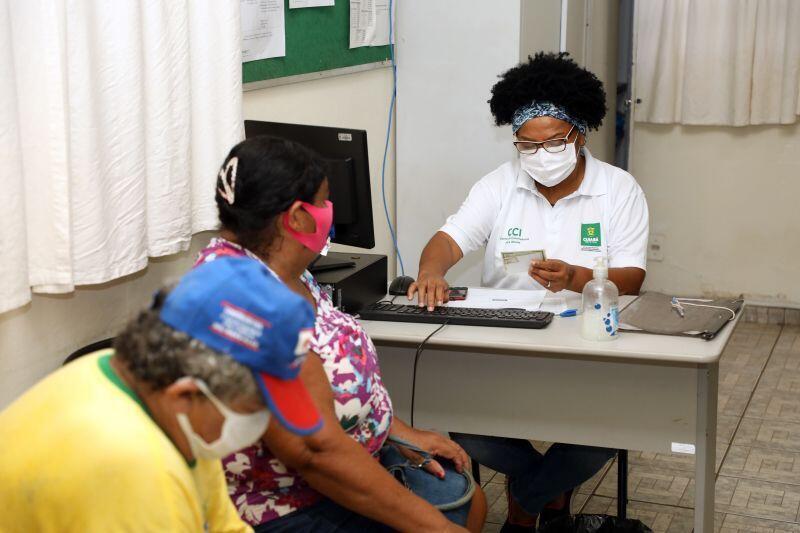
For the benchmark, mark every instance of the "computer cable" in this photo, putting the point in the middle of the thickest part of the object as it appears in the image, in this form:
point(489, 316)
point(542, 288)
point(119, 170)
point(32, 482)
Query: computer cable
point(416, 360)
point(388, 135)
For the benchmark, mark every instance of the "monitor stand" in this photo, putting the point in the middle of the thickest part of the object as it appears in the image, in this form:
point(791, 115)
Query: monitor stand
point(333, 261)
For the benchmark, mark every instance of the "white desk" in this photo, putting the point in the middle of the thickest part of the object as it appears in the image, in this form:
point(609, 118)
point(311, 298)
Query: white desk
point(639, 392)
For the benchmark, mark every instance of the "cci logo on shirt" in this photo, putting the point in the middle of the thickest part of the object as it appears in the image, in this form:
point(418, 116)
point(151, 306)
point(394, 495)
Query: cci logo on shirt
point(590, 235)
point(513, 235)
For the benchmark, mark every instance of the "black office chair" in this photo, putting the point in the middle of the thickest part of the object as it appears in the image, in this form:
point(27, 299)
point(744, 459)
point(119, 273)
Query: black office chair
point(89, 348)
point(622, 481)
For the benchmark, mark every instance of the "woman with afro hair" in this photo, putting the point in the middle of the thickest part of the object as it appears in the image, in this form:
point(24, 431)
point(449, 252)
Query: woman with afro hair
point(557, 198)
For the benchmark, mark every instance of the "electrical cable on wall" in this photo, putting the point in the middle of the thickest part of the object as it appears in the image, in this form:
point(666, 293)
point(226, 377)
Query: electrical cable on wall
point(388, 135)
point(414, 375)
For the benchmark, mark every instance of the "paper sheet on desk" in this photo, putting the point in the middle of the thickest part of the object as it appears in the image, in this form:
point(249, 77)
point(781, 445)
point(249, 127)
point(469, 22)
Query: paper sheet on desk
point(485, 298)
point(554, 303)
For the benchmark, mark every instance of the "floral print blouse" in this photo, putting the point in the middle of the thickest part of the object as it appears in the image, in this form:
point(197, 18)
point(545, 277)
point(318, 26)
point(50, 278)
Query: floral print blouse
point(261, 487)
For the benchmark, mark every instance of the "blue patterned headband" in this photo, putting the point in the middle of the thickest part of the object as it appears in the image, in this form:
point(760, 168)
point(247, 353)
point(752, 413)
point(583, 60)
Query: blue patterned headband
point(544, 109)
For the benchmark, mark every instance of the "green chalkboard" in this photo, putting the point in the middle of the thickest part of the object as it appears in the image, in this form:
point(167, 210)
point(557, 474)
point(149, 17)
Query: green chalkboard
point(317, 39)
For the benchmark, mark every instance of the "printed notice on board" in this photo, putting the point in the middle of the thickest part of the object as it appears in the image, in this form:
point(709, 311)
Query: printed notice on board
point(296, 4)
point(369, 23)
point(263, 29)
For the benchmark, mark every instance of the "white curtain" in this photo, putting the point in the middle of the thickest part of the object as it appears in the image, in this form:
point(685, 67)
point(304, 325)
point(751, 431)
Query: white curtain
point(718, 62)
point(114, 118)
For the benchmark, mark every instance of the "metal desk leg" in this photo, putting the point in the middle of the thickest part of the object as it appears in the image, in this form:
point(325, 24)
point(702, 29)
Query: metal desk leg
point(705, 449)
point(622, 483)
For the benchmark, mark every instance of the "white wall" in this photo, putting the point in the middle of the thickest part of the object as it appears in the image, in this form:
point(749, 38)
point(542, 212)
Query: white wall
point(449, 56)
point(725, 199)
point(359, 101)
point(35, 339)
point(540, 27)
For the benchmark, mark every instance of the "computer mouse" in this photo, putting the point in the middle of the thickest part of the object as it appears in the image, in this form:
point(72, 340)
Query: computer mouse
point(400, 285)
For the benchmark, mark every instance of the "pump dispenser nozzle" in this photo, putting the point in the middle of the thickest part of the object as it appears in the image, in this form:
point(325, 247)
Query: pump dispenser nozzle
point(600, 270)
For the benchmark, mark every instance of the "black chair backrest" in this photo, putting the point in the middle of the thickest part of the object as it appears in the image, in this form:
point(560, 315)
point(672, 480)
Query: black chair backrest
point(89, 348)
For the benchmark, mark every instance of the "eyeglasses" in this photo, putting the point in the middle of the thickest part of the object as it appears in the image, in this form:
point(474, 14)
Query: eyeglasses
point(552, 146)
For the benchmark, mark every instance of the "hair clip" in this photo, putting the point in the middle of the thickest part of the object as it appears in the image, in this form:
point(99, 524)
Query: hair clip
point(227, 176)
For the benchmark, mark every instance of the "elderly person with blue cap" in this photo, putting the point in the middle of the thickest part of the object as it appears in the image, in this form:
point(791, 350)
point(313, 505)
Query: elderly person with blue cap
point(557, 199)
point(130, 438)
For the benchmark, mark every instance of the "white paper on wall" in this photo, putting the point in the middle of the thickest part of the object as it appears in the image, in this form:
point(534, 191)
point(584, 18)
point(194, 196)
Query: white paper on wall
point(263, 29)
point(369, 23)
point(296, 4)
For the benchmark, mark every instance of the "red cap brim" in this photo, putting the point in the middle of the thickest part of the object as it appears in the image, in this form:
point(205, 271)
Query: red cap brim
point(290, 401)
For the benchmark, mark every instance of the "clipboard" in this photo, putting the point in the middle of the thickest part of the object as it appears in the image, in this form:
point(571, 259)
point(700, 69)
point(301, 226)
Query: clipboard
point(652, 312)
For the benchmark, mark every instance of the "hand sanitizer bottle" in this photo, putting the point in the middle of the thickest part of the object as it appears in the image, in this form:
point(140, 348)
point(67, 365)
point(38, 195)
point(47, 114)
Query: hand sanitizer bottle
point(600, 310)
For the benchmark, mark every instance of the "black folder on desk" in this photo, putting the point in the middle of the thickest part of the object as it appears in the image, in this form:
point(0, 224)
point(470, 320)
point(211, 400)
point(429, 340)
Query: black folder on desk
point(652, 312)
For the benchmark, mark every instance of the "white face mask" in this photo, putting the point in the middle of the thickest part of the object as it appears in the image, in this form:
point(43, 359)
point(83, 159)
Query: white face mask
point(550, 169)
point(238, 430)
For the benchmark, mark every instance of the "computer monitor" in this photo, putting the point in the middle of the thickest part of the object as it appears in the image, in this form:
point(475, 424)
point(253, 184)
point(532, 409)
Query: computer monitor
point(345, 154)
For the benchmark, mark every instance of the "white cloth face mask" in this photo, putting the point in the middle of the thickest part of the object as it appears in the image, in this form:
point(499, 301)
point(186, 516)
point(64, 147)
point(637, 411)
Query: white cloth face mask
point(238, 430)
point(550, 169)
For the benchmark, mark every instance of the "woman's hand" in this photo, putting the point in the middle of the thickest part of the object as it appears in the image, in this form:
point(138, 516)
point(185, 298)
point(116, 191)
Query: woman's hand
point(431, 290)
point(553, 274)
point(432, 466)
point(439, 446)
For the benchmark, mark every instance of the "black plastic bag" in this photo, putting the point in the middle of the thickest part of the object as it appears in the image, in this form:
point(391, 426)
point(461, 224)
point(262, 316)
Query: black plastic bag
point(594, 523)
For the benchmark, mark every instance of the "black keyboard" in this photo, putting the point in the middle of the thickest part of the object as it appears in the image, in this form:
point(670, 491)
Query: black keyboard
point(462, 316)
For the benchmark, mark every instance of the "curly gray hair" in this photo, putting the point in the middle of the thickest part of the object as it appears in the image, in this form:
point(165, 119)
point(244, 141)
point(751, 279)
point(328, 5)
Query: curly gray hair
point(159, 355)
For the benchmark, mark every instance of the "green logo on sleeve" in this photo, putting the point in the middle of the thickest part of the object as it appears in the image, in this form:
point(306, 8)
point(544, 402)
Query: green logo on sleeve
point(590, 234)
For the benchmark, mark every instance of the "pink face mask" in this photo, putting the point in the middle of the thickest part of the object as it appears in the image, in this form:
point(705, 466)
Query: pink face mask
point(323, 218)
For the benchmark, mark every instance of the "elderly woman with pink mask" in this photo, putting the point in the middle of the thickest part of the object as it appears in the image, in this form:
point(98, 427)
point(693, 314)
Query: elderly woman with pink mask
point(272, 197)
point(555, 200)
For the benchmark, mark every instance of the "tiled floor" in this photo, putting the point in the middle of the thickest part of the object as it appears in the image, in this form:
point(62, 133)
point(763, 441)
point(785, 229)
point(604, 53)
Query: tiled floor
point(758, 450)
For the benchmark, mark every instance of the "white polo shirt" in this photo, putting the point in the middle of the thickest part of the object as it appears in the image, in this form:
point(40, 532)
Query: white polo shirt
point(606, 216)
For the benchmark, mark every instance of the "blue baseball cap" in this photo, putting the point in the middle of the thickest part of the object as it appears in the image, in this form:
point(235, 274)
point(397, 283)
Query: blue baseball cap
point(234, 305)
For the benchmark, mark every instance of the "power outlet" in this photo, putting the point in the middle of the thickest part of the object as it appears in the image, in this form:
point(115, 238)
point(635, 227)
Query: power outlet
point(655, 247)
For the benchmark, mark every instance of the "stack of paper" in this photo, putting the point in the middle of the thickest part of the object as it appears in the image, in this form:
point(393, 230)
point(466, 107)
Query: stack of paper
point(486, 298)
